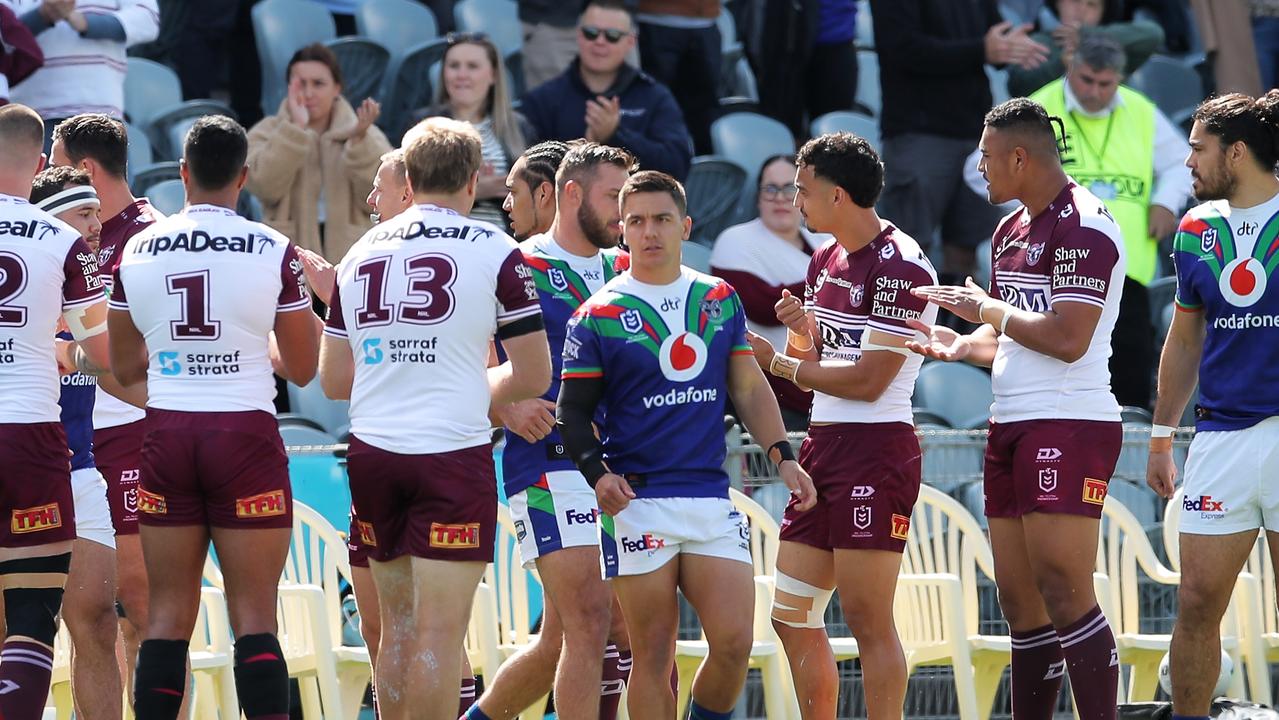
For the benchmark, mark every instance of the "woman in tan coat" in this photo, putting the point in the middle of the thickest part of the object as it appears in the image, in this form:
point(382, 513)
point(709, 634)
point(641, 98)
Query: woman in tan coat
point(313, 162)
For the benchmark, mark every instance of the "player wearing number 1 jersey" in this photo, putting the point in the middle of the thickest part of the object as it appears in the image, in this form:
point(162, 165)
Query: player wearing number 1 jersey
point(195, 299)
point(418, 299)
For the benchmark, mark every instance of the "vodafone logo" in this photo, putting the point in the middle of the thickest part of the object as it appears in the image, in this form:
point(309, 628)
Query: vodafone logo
point(682, 357)
point(1243, 281)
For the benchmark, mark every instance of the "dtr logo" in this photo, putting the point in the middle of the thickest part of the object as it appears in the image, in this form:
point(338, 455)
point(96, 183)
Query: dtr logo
point(682, 357)
point(169, 364)
point(372, 351)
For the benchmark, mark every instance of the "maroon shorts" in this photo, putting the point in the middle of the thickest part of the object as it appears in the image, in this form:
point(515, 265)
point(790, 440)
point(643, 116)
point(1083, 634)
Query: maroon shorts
point(356, 551)
point(117, 451)
point(867, 479)
point(220, 469)
point(35, 485)
point(441, 506)
point(1050, 466)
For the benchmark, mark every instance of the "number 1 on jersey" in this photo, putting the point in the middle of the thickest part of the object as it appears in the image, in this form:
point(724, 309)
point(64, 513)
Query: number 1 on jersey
point(195, 324)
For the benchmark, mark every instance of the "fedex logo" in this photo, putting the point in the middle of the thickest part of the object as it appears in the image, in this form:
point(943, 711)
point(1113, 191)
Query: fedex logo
point(44, 517)
point(1203, 503)
point(647, 541)
point(573, 517)
point(455, 537)
point(266, 504)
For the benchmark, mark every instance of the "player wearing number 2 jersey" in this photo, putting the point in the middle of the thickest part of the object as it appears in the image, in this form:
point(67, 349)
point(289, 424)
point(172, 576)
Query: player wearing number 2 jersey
point(46, 270)
point(418, 299)
point(195, 299)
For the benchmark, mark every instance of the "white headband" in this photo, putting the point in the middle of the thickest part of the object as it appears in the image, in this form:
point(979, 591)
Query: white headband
point(69, 199)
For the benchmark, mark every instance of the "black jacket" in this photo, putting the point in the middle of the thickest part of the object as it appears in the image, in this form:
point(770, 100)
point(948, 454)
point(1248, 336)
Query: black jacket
point(652, 126)
point(932, 56)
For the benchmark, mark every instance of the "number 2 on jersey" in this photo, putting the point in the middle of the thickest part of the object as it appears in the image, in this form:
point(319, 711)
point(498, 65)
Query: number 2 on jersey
point(13, 280)
point(193, 288)
point(429, 298)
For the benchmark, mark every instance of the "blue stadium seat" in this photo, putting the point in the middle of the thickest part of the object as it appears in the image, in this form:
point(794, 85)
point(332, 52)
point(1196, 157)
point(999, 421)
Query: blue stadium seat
point(868, 92)
point(696, 256)
point(748, 139)
point(149, 87)
point(1174, 87)
point(845, 121)
point(309, 401)
point(168, 196)
point(302, 435)
point(168, 128)
point(396, 24)
point(865, 39)
point(140, 155)
point(144, 178)
point(957, 392)
point(714, 188)
point(496, 18)
point(281, 28)
point(409, 85)
point(363, 64)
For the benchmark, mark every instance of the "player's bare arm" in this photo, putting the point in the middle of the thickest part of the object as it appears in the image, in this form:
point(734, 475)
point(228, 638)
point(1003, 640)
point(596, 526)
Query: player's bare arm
point(337, 368)
point(757, 407)
point(128, 349)
point(297, 338)
point(802, 339)
point(1063, 332)
point(1178, 374)
point(90, 352)
point(528, 374)
point(864, 380)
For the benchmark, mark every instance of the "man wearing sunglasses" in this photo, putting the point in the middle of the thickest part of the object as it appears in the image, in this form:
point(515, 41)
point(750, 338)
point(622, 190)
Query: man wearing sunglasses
point(603, 99)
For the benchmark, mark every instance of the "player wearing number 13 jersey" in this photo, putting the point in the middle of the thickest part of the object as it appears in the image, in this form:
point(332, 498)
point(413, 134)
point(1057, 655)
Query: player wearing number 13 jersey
point(416, 303)
point(195, 299)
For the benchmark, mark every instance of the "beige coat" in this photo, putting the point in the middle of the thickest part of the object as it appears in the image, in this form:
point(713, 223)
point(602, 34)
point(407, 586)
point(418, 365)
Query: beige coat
point(288, 166)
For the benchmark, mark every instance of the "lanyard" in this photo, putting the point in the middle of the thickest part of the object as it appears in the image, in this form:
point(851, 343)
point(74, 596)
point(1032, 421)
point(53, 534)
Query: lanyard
point(1105, 140)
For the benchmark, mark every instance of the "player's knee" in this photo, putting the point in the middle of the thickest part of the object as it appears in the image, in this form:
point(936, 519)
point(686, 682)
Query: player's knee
point(95, 623)
point(590, 621)
point(33, 611)
point(1199, 605)
point(732, 647)
point(1064, 597)
point(1021, 605)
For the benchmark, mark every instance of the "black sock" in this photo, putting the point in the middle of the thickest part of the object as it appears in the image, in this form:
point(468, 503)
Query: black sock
point(160, 679)
point(261, 676)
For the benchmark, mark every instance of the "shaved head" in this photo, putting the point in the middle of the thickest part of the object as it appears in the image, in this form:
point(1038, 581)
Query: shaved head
point(21, 136)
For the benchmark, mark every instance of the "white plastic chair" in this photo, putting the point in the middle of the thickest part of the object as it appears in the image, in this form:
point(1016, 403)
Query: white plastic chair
point(509, 601)
point(213, 660)
point(60, 682)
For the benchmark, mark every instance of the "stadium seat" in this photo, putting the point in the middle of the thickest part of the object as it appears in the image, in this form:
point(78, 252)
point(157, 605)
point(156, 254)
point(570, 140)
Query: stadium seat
point(308, 650)
point(397, 24)
point(168, 128)
point(960, 393)
point(140, 155)
point(60, 681)
point(513, 63)
point(309, 401)
point(168, 196)
point(509, 581)
point(481, 634)
point(696, 256)
point(154, 173)
point(845, 121)
point(982, 275)
point(496, 18)
point(295, 435)
point(865, 39)
point(409, 85)
point(714, 188)
point(1162, 292)
point(281, 28)
point(868, 90)
point(951, 459)
point(1174, 87)
point(738, 80)
point(148, 88)
point(363, 64)
point(748, 139)
point(213, 658)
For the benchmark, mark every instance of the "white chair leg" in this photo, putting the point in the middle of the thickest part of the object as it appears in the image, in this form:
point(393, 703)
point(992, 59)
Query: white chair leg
point(352, 679)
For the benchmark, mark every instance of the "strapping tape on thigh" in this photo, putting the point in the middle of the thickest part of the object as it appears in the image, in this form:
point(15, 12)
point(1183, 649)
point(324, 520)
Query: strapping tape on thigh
point(798, 604)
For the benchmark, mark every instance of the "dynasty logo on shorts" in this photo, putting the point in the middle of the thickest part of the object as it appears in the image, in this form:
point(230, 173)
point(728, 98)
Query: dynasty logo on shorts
point(29, 520)
point(901, 526)
point(152, 503)
point(455, 537)
point(366, 533)
point(1095, 491)
point(648, 542)
point(267, 504)
point(861, 492)
point(1207, 507)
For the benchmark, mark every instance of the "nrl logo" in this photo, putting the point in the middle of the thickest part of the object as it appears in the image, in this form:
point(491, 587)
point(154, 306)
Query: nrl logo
point(631, 321)
point(556, 276)
point(1208, 240)
point(861, 517)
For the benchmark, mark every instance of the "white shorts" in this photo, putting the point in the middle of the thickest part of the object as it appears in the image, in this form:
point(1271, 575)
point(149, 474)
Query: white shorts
point(1232, 481)
point(651, 531)
point(92, 514)
point(558, 512)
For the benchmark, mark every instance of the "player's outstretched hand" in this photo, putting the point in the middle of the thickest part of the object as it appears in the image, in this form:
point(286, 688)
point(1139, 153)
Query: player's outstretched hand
point(963, 301)
point(613, 493)
point(1161, 473)
point(942, 343)
point(764, 350)
point(799, 483)
point(531, 419)
point(320, 273)
point(790, 312)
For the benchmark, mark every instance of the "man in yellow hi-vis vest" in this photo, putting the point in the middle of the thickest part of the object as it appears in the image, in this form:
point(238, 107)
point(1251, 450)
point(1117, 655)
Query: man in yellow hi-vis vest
point(1126, 152)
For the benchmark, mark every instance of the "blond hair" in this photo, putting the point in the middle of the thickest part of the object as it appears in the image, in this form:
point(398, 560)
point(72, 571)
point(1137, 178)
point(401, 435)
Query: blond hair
point(441, 155)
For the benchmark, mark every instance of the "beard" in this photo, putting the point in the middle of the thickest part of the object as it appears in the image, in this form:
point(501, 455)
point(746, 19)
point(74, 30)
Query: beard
point(597, 232)
point(1220, 185)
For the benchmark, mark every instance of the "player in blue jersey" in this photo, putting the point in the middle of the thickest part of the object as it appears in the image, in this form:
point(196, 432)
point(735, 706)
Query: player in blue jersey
point(663, 347)
point(553, 507)
point(1225, 336)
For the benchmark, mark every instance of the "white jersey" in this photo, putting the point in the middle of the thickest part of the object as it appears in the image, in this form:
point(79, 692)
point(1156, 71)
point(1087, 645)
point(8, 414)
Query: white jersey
point(418, 298)
point(1070, 252)
point(46, 268)
point(203, 287)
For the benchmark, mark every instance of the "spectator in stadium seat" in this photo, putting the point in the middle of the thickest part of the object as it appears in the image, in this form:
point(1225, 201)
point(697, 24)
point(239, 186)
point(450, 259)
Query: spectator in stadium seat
point(1138, 39)
point(766, 257)
point(1265, 35)
point(311, 164)
point(602, 99)
point(932, 57)
point(472, 87)
point(550, 38)
point(680, 46)
point(84, 61)
point(20, 54)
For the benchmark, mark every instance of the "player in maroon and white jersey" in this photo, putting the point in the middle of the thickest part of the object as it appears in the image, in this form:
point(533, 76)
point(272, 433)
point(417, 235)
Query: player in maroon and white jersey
point(99, 145)
point(417, 300)
point(847, 342)
point(1055, 433)
point(195, 299)
point(46, 271)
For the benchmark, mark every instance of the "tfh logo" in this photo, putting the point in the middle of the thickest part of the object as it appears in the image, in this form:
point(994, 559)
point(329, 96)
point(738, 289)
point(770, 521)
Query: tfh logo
point(266, 504)
point(901, 526)
point(44, 517)
point(455, 537)
point(1095, 491)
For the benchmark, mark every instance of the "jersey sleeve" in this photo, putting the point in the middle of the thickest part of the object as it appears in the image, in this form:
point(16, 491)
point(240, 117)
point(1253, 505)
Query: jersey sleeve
point(741, 346)
point(516, 290)
point(117, 300)
point(334, 322)
point(815, 263)
point(583, 351)
point(892, 302)
point(1187, 244)
point(1082, 264)
point(81, 284)
point(293, 292)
